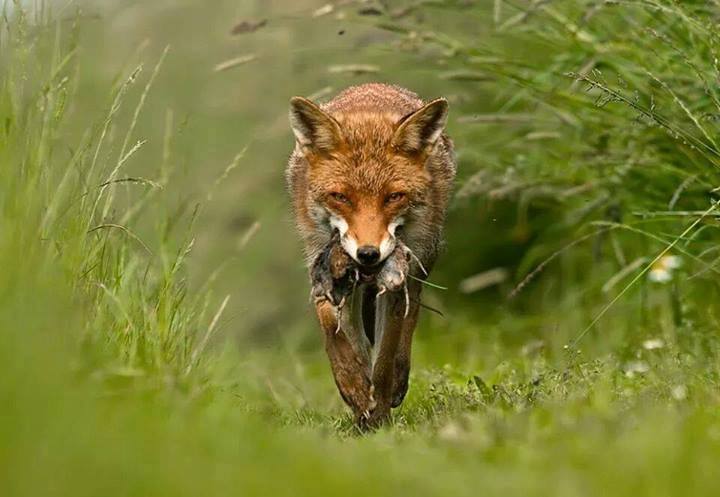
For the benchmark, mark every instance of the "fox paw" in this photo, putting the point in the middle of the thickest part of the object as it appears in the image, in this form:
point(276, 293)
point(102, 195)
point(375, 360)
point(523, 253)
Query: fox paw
point(373, 419)
point(400, 382)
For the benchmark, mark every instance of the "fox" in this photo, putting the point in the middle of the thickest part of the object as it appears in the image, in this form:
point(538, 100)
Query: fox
point(370, 177)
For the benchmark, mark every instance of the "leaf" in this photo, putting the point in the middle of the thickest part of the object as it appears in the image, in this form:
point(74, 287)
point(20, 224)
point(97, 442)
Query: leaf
point(355, 69)
point(248, 26)
point(237, 61)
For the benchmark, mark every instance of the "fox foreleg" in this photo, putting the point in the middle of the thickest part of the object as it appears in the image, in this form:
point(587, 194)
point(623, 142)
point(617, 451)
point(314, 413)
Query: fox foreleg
point(350, 366)
point(369, 389)
point(335, 276)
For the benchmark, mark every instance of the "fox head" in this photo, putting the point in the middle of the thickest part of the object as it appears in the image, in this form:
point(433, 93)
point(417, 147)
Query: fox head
point(367, 174)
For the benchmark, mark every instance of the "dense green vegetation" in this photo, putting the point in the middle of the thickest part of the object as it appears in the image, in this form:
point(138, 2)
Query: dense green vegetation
point(155, 336)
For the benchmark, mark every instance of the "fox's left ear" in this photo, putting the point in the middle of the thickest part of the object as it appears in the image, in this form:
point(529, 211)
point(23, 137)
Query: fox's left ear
point(420, 130)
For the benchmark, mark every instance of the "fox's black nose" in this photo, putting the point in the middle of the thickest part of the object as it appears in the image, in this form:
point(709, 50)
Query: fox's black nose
point(368, 255)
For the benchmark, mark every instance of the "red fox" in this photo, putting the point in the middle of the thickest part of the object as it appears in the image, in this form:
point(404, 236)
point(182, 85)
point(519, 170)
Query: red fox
point(370, 178)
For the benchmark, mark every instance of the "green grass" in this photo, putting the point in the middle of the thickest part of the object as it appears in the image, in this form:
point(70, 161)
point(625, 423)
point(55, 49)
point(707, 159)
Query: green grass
point(155, 337)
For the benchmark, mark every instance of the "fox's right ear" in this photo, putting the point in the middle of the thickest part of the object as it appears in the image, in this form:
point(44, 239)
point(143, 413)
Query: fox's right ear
point(314, 129)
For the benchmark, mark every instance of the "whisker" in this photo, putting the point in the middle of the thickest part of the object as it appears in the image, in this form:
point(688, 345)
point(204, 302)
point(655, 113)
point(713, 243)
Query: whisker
point(429, 308)
point(407, 300)
point(417, 259)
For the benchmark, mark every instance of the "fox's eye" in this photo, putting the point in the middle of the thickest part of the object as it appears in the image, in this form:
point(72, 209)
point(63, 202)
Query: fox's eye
point(339, 197)
point(395, 197)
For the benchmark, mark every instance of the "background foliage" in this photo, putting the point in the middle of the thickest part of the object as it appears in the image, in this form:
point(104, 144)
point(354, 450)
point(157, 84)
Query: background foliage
point(155, 335)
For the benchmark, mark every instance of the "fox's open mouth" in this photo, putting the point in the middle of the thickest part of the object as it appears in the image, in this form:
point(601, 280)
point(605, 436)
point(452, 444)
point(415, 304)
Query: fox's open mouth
point(367, 277)
point(368, 273)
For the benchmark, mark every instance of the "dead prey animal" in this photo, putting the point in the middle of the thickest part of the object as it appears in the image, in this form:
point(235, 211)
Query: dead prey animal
point(335, 274)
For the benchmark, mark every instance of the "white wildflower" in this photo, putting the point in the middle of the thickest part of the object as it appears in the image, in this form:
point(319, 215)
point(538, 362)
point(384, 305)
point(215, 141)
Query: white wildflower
point(662, 269)
point(679, 392)
point(653, 344)
point(636, 367)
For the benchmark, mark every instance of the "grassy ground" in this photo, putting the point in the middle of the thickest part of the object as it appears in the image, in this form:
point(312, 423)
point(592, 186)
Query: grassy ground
point(155, 337)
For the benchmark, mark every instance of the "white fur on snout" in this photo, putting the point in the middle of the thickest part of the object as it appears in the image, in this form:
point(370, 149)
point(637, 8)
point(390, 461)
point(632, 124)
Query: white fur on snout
point(339, 224)
point(387, 246)
point(388, 243)
point(350, 245)
point(348, 242)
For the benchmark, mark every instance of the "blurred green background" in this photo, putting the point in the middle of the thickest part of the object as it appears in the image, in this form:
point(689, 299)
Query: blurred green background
point(156, 336)
point(245, 226)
